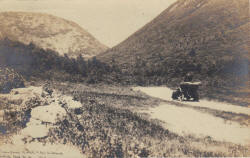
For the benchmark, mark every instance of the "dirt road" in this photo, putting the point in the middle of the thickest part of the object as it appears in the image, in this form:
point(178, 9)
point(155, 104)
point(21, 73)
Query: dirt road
point(190, 121)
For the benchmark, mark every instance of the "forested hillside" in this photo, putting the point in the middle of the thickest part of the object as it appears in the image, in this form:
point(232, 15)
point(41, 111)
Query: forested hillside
point(34, 63)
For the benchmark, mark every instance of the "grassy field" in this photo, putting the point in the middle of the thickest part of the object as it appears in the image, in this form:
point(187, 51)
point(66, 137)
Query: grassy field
point(107, 125)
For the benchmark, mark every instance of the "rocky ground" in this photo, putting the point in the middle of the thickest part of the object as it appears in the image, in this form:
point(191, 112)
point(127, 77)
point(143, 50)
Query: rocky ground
point(75, 120)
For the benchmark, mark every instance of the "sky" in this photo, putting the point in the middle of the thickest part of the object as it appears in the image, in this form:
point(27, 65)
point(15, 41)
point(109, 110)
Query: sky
point(110, 21)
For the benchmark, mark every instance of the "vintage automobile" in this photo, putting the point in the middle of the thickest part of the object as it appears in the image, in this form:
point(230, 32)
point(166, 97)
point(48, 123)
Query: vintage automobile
point(188, 91)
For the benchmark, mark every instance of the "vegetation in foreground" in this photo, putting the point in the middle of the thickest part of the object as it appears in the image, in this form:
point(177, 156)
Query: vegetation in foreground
point(107, 126)
point(10, 79)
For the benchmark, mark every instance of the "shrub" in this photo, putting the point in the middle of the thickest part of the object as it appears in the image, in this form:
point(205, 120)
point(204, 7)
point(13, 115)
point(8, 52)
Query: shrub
point(9, 79)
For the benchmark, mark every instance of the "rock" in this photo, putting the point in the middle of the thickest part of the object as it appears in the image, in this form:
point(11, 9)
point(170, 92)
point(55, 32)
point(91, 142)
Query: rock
point(50, 113)
point(72, 104)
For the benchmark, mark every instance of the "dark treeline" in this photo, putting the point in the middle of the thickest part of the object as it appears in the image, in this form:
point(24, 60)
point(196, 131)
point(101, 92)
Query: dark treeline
point(31, 62)
point(215, 71)
point(35, 63)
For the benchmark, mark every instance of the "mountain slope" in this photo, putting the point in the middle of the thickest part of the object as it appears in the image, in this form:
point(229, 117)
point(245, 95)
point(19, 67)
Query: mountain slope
point(209, 38)
point(49, 32)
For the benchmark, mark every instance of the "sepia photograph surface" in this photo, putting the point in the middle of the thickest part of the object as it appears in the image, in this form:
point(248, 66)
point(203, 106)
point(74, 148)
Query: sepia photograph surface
point(124, 78)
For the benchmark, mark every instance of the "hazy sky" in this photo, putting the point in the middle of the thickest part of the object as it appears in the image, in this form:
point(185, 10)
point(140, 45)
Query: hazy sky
point(110, 21)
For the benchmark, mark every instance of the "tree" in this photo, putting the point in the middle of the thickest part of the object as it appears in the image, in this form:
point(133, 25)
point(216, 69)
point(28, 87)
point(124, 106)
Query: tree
point(82, 67)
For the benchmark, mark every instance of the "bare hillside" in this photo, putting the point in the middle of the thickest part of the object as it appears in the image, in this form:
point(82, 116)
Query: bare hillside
point(49, 32)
